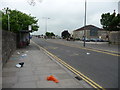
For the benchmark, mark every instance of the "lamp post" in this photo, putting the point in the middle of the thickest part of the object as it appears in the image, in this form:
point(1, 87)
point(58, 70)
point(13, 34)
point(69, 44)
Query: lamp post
point(85, 24)
point(7, 12)
point(46, 18)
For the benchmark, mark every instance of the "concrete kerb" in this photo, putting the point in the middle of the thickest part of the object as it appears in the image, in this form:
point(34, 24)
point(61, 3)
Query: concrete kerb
point(92, 42)
point(82, 82)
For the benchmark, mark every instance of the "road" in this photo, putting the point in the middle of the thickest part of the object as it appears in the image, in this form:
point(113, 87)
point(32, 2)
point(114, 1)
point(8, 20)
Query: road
point(98, 66)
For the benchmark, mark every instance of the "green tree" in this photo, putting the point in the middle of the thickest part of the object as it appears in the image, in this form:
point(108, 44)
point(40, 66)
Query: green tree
point(110, 22)
point(50, 34)
point(47, 34)
point(65, 34)
point(18, 20)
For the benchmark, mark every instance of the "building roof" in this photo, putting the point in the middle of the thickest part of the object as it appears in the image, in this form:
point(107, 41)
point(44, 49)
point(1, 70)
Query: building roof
point(88, 27)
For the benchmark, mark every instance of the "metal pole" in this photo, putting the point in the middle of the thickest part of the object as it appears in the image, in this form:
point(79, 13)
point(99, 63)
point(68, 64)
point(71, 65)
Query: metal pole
point(46, 25)
point(46, 18)
point(8, 23)
point(85, 24)
point(45, 28)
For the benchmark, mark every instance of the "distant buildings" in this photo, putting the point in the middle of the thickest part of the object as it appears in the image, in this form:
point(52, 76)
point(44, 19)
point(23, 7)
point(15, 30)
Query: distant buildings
point(91, 32)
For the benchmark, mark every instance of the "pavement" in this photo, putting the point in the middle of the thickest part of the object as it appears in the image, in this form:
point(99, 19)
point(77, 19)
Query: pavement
point(38, 66)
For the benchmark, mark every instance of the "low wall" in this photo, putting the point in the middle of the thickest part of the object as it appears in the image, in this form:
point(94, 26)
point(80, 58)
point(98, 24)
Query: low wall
point(115, 37)
point(0, 58)
point(0, 47)
point(8, 45)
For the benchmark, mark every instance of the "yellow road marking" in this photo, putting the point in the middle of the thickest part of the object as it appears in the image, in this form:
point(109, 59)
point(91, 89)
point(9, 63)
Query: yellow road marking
point(87, 49)
point(108, 50)
point(71, 68)
point(85, 78)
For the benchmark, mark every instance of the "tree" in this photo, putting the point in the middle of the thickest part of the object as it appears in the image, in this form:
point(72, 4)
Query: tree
point(110, 22)
point(50, 34)
point(18, 20)
point(65, 34)
point(47, 33)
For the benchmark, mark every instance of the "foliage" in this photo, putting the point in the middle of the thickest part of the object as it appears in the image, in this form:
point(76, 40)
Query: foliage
point(18, 20)
point(50, 34)
point(65, 34)
point(110, 22)
point(0, 20)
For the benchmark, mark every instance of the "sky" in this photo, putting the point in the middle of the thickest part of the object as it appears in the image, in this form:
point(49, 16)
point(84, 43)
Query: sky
point(63, 14)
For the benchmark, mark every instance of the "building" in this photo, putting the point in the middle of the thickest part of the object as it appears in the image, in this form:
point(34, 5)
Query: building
point(91, 31)
point(23, 38)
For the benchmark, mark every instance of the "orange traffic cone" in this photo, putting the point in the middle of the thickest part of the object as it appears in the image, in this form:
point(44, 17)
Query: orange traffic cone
point(52, 78)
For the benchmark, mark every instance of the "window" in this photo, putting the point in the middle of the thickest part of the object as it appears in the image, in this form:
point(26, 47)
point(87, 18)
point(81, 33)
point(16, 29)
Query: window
point(94, 32)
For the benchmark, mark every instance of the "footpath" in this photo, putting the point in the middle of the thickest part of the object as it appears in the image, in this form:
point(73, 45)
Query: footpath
point(37, 67)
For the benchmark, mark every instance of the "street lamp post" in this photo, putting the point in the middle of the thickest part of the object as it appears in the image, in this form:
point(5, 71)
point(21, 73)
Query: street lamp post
point(46, 18)
point(7, 12)
point(85, 24)
point(8, 22)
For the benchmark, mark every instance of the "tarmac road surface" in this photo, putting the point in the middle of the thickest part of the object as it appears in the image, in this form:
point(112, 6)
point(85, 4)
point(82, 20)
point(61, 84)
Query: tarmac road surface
point(100, 67)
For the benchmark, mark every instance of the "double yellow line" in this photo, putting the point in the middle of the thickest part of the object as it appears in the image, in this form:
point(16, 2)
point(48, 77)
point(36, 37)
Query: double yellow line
point(85, 78)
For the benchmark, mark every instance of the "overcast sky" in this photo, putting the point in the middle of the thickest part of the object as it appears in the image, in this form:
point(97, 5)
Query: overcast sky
point(63, 14)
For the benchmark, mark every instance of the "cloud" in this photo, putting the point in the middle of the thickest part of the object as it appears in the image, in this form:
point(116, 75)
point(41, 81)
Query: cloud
point(63, 14)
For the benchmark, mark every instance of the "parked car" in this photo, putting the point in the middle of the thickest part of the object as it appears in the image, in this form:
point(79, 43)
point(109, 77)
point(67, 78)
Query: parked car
point(96, 40)
point(77, 39)
point(70, 39)
point(93, 40)
point(86, 39)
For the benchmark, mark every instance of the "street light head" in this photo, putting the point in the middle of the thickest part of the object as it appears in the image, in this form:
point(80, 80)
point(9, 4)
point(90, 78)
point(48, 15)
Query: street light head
point(45, 17)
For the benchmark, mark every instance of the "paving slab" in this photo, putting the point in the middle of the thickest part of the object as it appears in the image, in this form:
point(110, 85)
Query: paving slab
point(38, 66)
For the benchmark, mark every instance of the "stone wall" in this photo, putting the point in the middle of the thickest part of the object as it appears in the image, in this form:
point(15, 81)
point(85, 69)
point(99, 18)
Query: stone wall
point(8, 45)
point(0, 59)
point(0, 47)
point(115, 37)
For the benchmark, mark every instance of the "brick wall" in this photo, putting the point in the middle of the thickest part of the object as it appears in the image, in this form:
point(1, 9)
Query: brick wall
point(8, 45)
